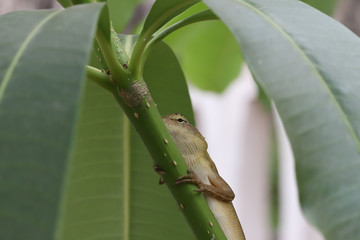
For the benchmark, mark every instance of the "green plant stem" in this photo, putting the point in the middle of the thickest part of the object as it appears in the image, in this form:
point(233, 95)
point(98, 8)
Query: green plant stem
point(99, 77)
point(121, 76)
point(198, 17)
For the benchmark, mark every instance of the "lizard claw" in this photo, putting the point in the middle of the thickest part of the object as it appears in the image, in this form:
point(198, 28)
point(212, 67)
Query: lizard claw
point(188, 178)
point(161, 181)
point(202, 189)
point(160, 172)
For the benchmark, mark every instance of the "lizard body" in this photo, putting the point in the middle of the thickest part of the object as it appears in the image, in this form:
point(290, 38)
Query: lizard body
point(217, 192)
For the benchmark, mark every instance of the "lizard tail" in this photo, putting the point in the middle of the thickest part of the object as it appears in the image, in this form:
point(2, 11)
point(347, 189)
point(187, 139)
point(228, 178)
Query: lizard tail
point(227, 218)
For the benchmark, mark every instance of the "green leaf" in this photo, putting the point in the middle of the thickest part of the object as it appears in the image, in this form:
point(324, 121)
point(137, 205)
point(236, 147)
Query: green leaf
point(208, 52)
point(43, 55)
point(166, 82)
point(113, 191)
point(308, 64)
point(210, 55)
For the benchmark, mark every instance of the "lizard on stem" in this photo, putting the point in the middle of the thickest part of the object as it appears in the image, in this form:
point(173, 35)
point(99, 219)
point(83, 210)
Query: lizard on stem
point(203, 173)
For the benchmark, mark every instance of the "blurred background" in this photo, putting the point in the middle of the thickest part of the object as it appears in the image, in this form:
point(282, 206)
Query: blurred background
point(245, 136)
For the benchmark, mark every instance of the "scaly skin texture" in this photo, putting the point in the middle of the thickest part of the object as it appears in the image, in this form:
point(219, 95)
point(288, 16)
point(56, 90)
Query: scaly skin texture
point(203, 173)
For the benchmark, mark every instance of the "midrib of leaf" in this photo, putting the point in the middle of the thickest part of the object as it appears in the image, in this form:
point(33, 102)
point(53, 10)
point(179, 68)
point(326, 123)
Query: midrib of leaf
point(126, 159)
point(20, 52)
point(312, 67)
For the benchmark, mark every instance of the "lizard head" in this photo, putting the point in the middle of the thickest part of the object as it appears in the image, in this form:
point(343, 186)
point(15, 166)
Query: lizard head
point(183, 133)
point(177, 124)
point(176, 117)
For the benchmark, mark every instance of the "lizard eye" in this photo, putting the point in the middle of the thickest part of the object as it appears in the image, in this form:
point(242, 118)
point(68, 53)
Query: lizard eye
point(180, 120)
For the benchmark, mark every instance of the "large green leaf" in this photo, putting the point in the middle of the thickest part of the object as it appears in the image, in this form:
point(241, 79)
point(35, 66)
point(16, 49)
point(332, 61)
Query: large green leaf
point(113, 192)
point(43, 54)
point(308, 64)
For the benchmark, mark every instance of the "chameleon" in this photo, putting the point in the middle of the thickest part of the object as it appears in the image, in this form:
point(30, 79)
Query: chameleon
point(202, 172)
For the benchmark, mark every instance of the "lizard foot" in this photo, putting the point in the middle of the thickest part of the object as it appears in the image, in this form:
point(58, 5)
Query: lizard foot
point(188, 178)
